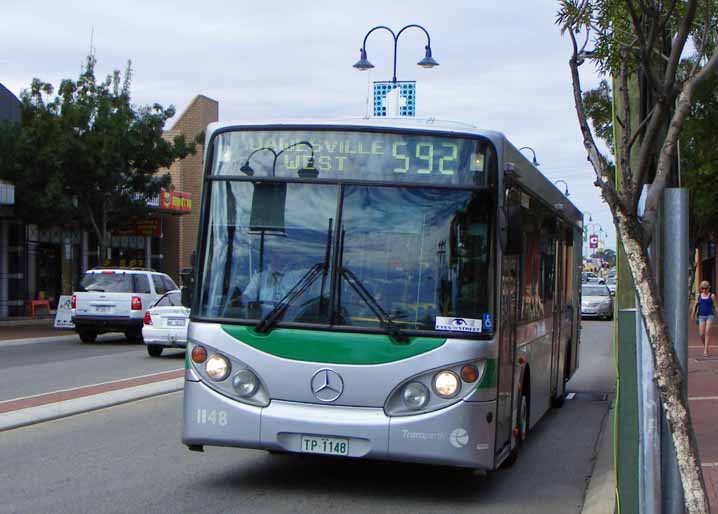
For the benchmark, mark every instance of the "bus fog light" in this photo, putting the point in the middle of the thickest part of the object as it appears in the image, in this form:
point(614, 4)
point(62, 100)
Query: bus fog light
point(446, 384)
point(415, 395)
point(217, 368)
point(245, 383)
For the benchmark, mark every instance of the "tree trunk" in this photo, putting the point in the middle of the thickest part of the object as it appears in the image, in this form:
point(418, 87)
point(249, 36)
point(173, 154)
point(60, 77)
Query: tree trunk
point(668, 375)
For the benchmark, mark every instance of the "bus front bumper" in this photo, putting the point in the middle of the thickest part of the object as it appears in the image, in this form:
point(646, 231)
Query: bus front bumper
point(459, 435)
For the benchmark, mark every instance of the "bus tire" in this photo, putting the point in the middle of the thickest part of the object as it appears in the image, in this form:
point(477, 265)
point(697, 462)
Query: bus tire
point(154, 350)
point(557, 401)
point(87, 336)
point(522, 427)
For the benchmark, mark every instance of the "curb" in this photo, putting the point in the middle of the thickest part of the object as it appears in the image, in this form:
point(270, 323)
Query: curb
point(32, 415)
point(600, 495)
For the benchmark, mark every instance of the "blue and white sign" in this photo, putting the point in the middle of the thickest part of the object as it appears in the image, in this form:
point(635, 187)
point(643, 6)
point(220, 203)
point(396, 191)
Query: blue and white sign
point(488, 324)
point(63, 316)
point(458, 324)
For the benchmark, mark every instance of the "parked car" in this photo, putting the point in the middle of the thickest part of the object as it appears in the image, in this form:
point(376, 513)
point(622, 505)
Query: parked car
point(115, 300)
point(611, 284)
point(165, 324)
point(596, 301)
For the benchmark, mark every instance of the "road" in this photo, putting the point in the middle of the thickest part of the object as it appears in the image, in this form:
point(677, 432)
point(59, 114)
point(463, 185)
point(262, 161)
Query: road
point(128, 459)
point(50, 365)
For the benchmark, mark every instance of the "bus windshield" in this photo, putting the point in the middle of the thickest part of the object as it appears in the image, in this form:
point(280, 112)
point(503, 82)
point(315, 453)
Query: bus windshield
point(417, 254)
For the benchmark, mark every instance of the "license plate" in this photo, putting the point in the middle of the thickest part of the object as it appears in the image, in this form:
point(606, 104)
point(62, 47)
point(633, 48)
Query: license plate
point(178, 322)
point(105, 308)
point(325, 445)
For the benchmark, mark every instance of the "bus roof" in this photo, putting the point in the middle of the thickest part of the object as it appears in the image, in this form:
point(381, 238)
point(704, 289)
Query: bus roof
point(527, 175)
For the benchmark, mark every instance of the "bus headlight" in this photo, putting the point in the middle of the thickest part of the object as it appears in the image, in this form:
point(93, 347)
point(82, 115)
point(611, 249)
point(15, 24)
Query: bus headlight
point(217, 368)
point(446, 384)
point(415, 395)
point(245, 383)
point(436, 389)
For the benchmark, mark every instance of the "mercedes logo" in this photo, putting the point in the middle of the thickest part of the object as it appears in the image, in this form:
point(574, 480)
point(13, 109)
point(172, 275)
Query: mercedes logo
point(327, 385)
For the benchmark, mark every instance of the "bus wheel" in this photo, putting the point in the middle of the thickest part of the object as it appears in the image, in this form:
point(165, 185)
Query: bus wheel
point(523, 421)
point(87, 336)
point(520, 431)
point(154, 350)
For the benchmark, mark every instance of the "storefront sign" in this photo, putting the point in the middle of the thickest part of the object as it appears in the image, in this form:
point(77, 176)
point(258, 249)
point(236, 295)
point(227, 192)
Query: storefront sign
point(150, 227)
point(175, 201)
point(63, 316)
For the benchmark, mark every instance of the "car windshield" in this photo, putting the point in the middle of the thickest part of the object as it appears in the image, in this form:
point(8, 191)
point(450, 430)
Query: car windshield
point(420, 253)
point(595, 291)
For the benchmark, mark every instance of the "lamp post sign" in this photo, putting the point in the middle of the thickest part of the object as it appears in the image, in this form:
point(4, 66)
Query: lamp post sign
point(593, 241)
point(395, 98)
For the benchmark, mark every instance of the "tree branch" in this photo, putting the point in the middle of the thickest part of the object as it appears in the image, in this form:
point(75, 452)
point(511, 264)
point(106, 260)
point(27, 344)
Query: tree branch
point(668, 151)
point(603, 174)
point(624, 156)
point(677, 47)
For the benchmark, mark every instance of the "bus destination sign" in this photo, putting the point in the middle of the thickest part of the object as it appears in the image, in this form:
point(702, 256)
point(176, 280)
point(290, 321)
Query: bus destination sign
point(389, 157)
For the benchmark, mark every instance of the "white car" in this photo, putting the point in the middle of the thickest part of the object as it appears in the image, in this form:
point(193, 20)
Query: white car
point(165, 324)
point(115, 300)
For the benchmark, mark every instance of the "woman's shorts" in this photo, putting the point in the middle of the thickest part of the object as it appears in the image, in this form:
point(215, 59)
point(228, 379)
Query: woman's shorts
point(703, 319)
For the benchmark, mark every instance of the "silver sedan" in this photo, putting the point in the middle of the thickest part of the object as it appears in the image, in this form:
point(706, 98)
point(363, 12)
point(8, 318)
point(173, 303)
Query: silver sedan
point(596, 301)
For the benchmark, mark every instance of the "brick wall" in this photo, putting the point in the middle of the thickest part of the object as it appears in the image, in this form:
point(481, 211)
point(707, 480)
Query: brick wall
point(180, 232)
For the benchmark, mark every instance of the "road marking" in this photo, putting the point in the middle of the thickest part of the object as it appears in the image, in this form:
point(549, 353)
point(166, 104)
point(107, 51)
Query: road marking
point(570, 396)
point(79, 392)
point(697, 398)
point(709, 464)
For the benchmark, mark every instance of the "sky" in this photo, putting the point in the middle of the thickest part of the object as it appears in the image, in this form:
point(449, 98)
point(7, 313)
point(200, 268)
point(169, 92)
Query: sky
point(503, 65)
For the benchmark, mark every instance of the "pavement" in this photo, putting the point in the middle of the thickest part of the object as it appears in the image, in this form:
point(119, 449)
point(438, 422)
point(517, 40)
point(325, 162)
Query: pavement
point(703, 403)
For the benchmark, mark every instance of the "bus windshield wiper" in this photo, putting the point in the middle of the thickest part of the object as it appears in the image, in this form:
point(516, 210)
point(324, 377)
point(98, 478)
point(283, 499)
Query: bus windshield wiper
point(391, 329)
point(273, 316)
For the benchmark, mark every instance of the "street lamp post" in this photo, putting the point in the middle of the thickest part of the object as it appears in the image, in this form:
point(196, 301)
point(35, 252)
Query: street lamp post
point(427, 62)
point(535, 162)
point(566, 193)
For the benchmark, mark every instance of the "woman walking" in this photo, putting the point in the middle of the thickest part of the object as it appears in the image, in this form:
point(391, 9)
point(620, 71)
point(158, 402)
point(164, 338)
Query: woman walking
point(705, 312)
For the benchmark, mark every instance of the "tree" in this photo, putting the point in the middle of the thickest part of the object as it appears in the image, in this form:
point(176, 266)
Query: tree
point(698, 154)
point(88, 156)
point(632, 36)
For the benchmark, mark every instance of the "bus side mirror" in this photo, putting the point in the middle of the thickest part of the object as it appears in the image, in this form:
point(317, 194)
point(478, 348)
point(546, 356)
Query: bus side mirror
point(187, 280)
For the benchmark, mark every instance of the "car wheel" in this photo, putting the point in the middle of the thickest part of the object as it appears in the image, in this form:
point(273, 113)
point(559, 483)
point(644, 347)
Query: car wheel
point(87, 336)
point(154, 350)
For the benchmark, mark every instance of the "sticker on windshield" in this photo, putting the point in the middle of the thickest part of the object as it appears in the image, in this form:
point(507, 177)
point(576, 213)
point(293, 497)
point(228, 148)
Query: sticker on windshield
point(458, 324)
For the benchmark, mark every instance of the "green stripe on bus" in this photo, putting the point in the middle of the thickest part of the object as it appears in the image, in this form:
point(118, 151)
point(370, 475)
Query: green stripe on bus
point(332, 347)
point(488, 379)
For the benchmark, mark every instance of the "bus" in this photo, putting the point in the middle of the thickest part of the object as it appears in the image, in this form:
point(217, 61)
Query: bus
point(405, 290)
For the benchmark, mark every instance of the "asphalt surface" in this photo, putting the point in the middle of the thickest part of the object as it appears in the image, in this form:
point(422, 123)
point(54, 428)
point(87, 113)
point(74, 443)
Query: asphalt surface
point(129, 459)
point(50, 365)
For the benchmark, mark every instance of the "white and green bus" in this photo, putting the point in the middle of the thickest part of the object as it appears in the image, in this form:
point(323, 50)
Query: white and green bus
point(388, 289)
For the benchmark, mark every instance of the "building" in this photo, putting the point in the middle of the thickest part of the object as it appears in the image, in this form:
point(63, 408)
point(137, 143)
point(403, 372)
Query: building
point(180, 232)
point(9, 113)
point(47, 262)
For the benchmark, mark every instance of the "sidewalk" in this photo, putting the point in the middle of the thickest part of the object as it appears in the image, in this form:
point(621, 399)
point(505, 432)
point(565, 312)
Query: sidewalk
point(703, 402)
point(29, 328)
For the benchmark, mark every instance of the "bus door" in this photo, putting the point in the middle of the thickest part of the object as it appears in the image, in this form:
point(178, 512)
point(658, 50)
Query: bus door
point(506, 355)
point(560, 331)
